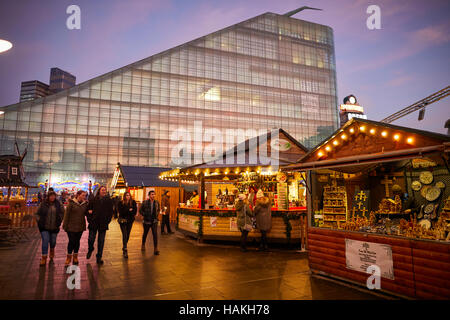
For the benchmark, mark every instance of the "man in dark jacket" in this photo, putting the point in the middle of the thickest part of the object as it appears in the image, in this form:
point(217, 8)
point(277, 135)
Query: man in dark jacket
point(165, 210)
point(149, 210)
point(100, 212)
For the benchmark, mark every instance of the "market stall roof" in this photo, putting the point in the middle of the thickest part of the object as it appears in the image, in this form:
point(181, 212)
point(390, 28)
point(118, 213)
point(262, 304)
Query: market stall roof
point(133, 176)
point(274, 149)
point(11, 171)
point(361, 143)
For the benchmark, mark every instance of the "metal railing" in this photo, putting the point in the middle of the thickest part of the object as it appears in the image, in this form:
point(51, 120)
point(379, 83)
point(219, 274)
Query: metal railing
point(419, 105)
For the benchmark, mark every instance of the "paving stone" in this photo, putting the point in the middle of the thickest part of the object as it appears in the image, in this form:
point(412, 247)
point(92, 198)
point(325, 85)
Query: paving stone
point(185, 269)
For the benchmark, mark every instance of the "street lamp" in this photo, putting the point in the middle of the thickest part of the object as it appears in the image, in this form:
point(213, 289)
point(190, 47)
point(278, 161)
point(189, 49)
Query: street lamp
point(5, 45)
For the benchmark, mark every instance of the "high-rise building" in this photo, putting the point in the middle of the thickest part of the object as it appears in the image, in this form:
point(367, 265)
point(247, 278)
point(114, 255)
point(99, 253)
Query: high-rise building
point(30, 90)
point(350, 109)
point(60, 80)
point(271, 71)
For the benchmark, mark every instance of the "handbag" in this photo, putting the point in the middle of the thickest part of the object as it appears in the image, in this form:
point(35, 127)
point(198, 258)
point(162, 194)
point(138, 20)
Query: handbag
point(247, 226)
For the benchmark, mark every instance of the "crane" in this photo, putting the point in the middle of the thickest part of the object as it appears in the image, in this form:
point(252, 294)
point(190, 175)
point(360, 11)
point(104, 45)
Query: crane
point(419, 105)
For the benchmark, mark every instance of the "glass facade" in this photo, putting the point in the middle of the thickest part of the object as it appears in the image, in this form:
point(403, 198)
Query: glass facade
point(270, 71)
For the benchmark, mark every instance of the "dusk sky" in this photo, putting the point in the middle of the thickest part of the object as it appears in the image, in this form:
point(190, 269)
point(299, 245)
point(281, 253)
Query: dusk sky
point(387, 69)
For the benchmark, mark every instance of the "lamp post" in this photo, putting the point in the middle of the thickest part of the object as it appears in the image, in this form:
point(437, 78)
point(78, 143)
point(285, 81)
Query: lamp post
point(50, 174)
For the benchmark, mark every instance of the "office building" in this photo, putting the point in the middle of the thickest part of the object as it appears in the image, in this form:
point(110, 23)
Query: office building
point(30, 90)
point(60, 80)
point(271, 71)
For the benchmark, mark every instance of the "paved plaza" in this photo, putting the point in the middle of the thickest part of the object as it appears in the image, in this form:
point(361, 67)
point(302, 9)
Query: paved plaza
point(185, 269)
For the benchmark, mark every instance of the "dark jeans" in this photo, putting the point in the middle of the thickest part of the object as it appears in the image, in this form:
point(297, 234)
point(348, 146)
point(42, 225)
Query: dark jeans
point(126, 230)
point(100, 241)
point(244, 234)
point(154, 227)
point(48, 238)
point(263, 239)
point(74, 242)
point(165, 222)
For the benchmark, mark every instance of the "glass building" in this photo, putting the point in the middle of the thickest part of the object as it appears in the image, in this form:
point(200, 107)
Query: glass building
point(271, 71)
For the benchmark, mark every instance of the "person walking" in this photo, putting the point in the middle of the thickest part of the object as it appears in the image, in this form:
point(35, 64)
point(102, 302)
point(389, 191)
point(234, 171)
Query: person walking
point(127, 210)
point(74, 224)
point(149, 210)
point(116, 201)
point(244, 219)
point(49, 217)
point(165, 209)
point(100, 212)
point(263, 214)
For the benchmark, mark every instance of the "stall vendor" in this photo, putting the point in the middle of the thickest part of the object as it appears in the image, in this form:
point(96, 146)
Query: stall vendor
point(408, 203)
point(194, 199)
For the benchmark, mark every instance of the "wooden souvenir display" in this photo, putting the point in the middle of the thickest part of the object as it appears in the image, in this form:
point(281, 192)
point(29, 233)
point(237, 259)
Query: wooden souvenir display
point(334, 206)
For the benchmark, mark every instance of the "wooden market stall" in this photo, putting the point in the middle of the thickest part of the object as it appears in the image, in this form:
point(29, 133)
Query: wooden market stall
point(253, 164)
point(14, 193)
point(380, 196)
point(140, 180)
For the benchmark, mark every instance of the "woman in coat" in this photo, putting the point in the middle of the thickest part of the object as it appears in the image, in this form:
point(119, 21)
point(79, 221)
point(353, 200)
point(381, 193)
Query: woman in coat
point(244, 218)
point(127, 210)
point(263, 214)
point(100, 212)
point(74, 224)
point(49, 217)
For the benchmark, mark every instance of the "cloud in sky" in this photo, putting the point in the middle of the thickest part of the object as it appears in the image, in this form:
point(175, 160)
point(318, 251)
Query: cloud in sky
point(404, 61)
point(410, 44)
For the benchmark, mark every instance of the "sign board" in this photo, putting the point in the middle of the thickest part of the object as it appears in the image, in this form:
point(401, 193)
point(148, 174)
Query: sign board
point(359, 255)
point(213, 221)
point(351, 108)
point(188, 222)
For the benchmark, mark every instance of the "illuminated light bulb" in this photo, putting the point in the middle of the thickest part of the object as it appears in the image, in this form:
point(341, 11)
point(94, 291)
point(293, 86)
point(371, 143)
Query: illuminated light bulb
point(344, 137)
point(327, 148)
point(226, 172)
point(384, 134)
point(352, 130)
point(320, 153)
point(5, 45)
point(362, 128)
point(410, 140)
point(335, 142)
point(372, 131)
point(397, 137)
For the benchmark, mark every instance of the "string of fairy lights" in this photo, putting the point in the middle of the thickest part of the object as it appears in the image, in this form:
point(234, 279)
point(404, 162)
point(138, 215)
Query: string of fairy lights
point(193, 176)
point(339, 139)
